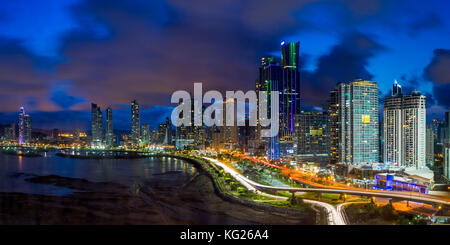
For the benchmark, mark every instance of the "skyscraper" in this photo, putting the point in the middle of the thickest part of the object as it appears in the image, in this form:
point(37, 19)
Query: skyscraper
point(270, 79)
point(24, 126)
point(228, 134)
point(289, 95)
point(447, 161)
point(169, 131)
point(10, 133)
point(96, 125)
point(311, 133)
point(145, 136)
point(283, 77)
point(414, 130)
point(430, 145)
point(447, 118)
point(27, 124)
point(354, 112)
point(393, 126)
point(109, 134)
point(405, 129)
point(333, 126)
point(135, 122)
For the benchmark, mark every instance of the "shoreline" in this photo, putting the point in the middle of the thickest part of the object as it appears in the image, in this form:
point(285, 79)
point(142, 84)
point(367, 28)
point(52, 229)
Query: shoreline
point(81, 157)
point(219, 189)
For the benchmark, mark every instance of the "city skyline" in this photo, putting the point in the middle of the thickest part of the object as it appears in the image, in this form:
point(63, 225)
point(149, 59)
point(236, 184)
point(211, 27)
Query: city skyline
point(200, 112)
point(350, 41)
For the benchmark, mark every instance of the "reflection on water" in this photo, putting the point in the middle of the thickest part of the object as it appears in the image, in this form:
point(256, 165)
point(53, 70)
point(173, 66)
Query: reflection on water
point(54, 190)
point(15, 169)
point(20, 163)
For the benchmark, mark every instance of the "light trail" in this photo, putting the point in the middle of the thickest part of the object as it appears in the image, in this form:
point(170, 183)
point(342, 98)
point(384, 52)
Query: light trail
point(341, 188)
point(334, 218)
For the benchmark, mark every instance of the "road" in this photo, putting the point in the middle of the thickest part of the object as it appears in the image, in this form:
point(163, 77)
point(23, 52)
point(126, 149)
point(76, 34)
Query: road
point(334, 217)
point(410, 196)
point(340, 208)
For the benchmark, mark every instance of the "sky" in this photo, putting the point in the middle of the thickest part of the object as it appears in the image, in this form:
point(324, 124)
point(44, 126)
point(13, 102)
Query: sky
point(58, 56)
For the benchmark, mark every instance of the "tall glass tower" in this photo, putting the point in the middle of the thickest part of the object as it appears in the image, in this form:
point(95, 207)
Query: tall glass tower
point(283, 77)
point(22, 125)
point(109, 128)
point(135, 122)
point(96, 125)
point(289, 96)
point(356, 135)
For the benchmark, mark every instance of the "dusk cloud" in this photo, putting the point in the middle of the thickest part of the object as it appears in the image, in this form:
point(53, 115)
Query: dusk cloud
point(439, 73)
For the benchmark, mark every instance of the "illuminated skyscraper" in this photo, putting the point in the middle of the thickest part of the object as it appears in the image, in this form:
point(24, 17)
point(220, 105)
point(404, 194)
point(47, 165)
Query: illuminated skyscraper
point(289, 95)
point(311, 133)
point(135, 122)
point(414, 130)
point(393, 126)
point(447, 118)
point(333, 126)
point(405, 129)
point(27, 124)
point(228, 134)
point(109, 134)
point(96, 125)
point(10, 133)
point(356, 135)
point(169, 131)
point(447, 161)
point(24, 126)
point(283, 77)
point(145, 136)
point(430, 145)
point(270, 79)
point(21, 125)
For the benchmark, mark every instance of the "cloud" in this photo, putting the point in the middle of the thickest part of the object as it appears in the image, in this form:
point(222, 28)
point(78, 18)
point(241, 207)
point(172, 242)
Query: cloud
point(438, 72)
point(39, 25)
point(20, 80)
point(157, 48)
point(441, 92)
point(427, 22)
point(346, 62)
point(61, 97)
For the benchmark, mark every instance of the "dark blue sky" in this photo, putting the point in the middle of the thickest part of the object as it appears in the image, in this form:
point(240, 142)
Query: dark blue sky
point(57, 56)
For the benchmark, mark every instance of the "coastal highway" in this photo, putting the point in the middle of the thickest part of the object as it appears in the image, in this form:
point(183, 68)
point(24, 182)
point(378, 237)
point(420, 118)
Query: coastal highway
point(397, 195)
point(334, 217)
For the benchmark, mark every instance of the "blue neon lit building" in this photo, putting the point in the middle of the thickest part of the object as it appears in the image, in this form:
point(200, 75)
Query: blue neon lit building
point(283, 77)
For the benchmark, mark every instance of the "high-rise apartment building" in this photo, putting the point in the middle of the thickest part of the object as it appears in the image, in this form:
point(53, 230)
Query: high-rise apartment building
point(10, 133)
point(405, 129)
point(414, 130)
point(447, 161)
point(96, 125)
point(311, 133)
point(430, 141)
point(447, 119)
point(354, 124)
point(393, 126)
point(145, 133)
point(27, 123)
point(135, 122)
point(109, 134)
point(333, 126)
point(228, 135)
